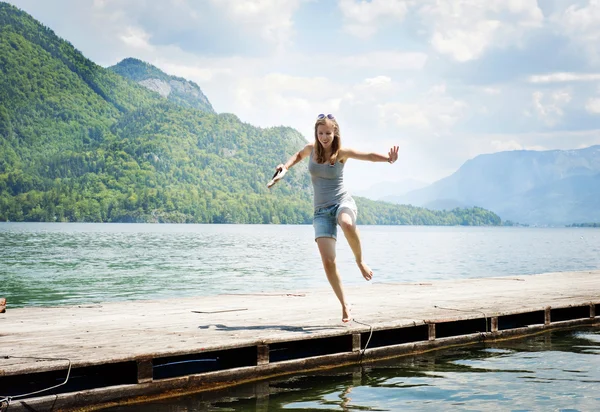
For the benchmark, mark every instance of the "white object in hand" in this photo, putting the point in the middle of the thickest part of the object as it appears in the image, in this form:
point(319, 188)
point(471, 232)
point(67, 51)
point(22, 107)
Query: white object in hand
point(279, 173)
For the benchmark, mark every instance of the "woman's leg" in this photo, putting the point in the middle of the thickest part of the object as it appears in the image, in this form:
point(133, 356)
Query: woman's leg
point(327, 250)
point(348, 225)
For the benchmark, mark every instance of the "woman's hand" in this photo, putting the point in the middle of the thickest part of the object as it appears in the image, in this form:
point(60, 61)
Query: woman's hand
point(393, 154)
point(279, 173)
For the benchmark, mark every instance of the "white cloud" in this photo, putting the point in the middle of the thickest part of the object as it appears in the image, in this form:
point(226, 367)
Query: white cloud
point(582, 25)
point(465, 29)
point(375, 90)
point(492, 90)
point(198, 74)
point(549, 106)
point(363, 18)
point(272, 19)
point(593, 105)
point(564, 77)
point(434, 110)
point(136, 38)
point(378, 81)
point(504, 145)
point(583, 22)
point(386, 60)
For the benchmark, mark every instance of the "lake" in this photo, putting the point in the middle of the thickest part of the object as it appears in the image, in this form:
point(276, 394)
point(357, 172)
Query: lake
point(74, 263)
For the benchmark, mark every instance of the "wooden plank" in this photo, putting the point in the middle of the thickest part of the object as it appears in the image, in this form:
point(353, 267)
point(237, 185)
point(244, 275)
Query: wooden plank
point(126, 331)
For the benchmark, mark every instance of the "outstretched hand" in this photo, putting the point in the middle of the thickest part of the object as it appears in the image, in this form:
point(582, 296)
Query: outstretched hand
point(393, 154)
point(279, 173)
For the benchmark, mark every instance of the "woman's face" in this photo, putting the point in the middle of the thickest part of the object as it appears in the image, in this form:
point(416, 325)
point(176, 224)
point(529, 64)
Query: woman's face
point(325, 134)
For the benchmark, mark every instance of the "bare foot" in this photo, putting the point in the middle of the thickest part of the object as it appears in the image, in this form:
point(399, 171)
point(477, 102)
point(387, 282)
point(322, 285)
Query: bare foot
point(346, 314)
point(365, 270)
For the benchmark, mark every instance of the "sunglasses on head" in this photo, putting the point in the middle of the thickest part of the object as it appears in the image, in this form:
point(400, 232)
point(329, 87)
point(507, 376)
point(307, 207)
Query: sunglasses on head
point(322, 116)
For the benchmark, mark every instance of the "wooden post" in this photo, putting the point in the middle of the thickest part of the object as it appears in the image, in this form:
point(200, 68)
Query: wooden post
point(2, 305)
point(144, 370)
point(547, 317)
point(356, 342)
point(262, 352)
point(431, 331)
point(494, 324)
point(592, 310)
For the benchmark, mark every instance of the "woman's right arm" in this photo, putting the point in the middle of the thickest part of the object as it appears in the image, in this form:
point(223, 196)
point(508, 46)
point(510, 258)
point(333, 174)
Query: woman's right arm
point(296, 158)
point(283, 168)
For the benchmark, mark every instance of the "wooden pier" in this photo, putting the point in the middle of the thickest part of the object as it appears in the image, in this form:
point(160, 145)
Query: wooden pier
point(138, 350)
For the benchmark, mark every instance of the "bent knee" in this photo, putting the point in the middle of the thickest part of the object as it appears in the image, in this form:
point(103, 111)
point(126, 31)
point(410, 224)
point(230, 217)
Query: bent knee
point(347, 224)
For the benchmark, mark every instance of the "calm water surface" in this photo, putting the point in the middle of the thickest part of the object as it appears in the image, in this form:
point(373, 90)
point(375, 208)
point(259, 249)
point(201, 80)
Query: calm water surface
point(70, 263)
point(554, 371)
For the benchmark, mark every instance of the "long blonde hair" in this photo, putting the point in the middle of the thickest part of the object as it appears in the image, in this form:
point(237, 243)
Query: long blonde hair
point(335, 145)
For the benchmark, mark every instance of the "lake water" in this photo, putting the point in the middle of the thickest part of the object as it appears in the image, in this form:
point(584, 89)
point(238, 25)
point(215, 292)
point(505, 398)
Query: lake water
point(57, 264)
point(554, 371)
point(71, 263)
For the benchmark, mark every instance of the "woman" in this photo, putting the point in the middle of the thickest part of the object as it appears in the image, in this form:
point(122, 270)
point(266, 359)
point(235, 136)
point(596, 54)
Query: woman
point(332, 202)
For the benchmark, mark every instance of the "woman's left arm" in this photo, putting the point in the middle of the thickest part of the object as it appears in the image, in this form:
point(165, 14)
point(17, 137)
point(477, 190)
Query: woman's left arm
point(391, 157)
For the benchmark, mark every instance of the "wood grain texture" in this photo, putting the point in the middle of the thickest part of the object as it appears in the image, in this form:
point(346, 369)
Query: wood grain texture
point(139, 330)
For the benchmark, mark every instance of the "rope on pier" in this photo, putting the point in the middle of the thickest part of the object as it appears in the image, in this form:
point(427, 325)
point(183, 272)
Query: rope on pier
point(468, 311)
point(5, 400)
point(368, 340)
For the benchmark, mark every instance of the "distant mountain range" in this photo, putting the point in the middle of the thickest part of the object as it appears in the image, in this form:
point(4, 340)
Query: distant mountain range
point(553, 187)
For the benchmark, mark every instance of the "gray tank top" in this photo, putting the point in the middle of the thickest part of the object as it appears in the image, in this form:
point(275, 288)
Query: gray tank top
point(328, 182)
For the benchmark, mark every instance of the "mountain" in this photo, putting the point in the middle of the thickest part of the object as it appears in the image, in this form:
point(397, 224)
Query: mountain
point(553, 187)
point(389, 191)
point(79, 142)
point(176, 89)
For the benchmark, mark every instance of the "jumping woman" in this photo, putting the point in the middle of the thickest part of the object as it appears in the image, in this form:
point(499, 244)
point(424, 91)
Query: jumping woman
point(333, 204)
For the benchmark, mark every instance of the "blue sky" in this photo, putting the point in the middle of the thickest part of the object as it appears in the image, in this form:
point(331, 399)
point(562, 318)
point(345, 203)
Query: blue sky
point(445, 80)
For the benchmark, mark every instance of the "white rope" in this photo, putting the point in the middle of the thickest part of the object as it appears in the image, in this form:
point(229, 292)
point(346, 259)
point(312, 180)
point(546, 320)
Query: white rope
point(5, 400)
point(368, 340)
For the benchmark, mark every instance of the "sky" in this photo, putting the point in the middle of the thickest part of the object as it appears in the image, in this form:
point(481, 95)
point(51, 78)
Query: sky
point(446, 80)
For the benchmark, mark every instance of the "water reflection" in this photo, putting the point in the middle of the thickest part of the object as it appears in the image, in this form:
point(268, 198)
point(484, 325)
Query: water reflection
point(553, 371)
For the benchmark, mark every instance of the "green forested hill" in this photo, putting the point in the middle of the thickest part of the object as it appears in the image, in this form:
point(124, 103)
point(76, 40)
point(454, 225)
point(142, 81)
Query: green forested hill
point(176, 89)
point(79, 142)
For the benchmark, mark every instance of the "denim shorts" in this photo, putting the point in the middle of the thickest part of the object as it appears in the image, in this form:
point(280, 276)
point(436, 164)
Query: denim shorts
point(326, 218)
